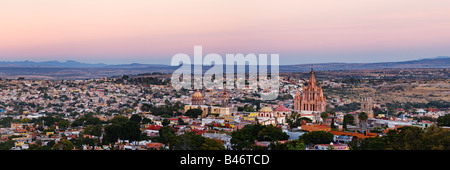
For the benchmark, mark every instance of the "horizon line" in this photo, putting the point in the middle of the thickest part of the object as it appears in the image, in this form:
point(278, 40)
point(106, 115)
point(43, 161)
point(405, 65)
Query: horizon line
point(168, 64)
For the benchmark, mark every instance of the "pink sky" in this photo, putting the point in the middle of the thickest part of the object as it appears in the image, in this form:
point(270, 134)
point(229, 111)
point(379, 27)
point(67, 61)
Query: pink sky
point(146, 31)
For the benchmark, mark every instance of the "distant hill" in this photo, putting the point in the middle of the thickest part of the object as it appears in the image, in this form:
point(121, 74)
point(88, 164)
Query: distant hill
point(68, 64)
point(438, 62)
point(76, 70)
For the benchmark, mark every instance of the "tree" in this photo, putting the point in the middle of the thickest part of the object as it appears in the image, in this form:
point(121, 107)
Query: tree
point(444, 120)
point(363, 116)
point(331, 147)
point(306, 119)
point(348, 120)
point(363, 121)
point(187, 141)
point(63, 145)
point(63, 124)
point(374, 143)
point(211, 144)
point(130, 131)
point(48, 120)
point(244, 138)
point(194, 113)
point(95, 130)
point(165, 122)
point(147, 121)
point(122, 128)
point(136, 118)
point(249, 108)
point(112, 133)
point(166, 133)
point(333, 114)
point(99, 108)
point(289, 145)
point(38, 147)
point(93, 121)
point(324, 116)
point(408, 138)
point(271, 133)
point(294, 119)
point(146, 107)
point(436, 138)
point(118, 119)
point(181, 122)
point(411, 137)
point(296, 146)
point(6, 145)
point(317, 137)
point(86, 120)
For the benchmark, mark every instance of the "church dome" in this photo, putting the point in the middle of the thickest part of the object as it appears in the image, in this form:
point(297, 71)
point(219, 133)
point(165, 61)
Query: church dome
point(265, 109)
point(282, 109)
point(197, 94)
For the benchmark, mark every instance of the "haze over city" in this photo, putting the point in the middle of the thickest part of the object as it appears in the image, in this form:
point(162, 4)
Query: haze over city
point(151, 32)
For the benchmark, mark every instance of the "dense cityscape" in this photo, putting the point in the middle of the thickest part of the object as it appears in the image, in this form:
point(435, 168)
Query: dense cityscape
point(262, 84)
point(144, 112)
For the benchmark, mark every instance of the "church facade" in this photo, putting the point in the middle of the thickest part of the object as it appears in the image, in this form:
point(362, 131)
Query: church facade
point(311, 99)
point(198, 102)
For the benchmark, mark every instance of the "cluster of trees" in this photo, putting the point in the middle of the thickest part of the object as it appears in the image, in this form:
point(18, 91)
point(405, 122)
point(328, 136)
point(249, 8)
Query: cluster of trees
point(289, 145)
point(252, 102)
point(440, 104)
point(192, 141)
point(348, 120)
point(245, 138)
point(193, 113)
point(348, 107)
point(307, 139)
point(295, 120)
point(6, 121)
point(351, 81)
point(63, 145)
point(6, 145)
point(122, 128)
point(316, 137)
point(407, 138)
point(148, 81)
point(47, 120)
point(86, 120)
point(187, 141)
point(247, 108)
point(165, 111)
point(285, 97)
point(444, 120)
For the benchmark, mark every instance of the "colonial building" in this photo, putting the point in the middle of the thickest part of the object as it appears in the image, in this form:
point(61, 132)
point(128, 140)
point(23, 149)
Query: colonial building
point(198, 103)
point(311, 99)
point(366, 106)
point(281, 113)
point(197, 98)
point(267, 116)
point(224, 98)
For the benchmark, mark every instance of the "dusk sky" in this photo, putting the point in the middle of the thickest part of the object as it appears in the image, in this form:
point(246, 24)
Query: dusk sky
point(151, 32)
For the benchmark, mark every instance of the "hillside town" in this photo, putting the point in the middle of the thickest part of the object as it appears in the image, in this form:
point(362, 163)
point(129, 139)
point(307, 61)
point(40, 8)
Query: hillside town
point(147, 113)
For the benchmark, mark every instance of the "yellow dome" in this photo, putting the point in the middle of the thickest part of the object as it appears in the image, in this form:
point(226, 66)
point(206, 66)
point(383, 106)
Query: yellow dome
point(197, 94)
point(265, 109)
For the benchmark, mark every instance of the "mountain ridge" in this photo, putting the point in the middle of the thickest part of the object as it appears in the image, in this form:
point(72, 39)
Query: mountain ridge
point(76, 70)
point(439, 61)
